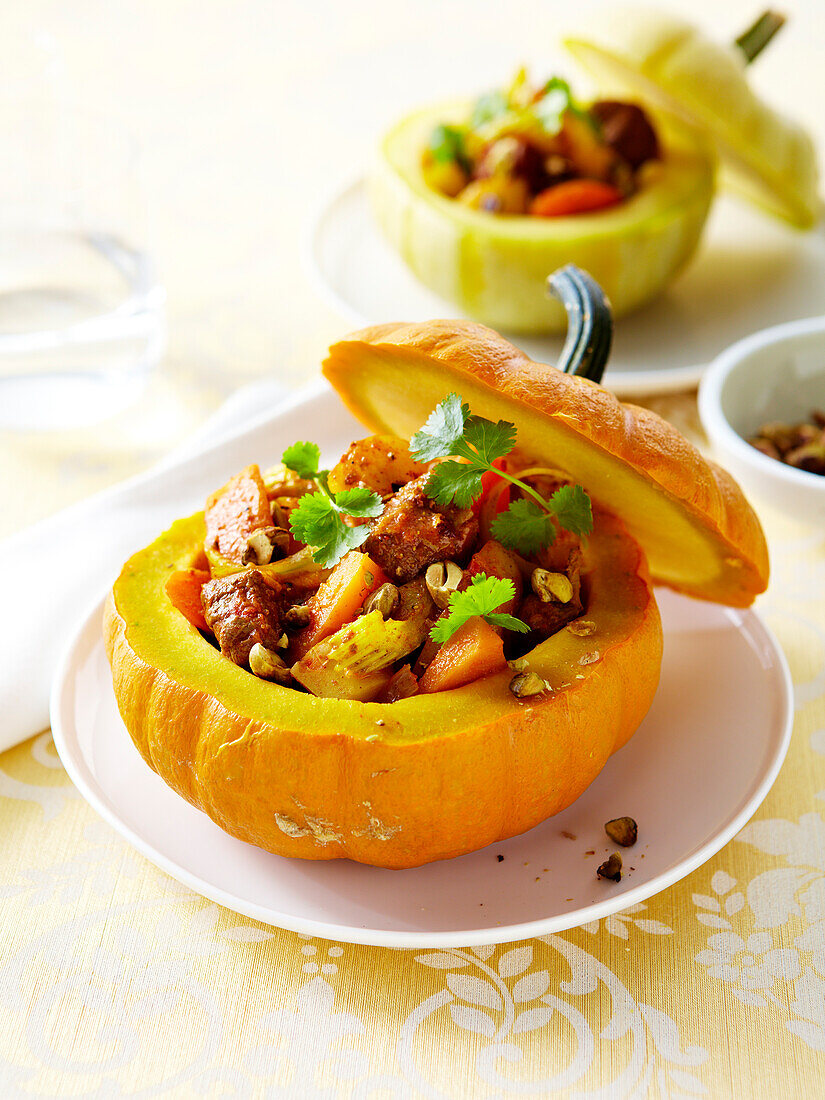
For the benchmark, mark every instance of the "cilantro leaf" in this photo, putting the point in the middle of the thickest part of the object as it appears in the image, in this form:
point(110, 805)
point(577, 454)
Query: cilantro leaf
point(360, 502)
point(482, 598)
point(550, 108)
point(318, 522)
point(446, 144)
point(524, 527)
point(453, 432)
point(453, 482)
point(558, 84)
point(490, 440)
point(303, 458)
point(487, 107)
point(571, 506)
point(443, 432)
point(508, 622)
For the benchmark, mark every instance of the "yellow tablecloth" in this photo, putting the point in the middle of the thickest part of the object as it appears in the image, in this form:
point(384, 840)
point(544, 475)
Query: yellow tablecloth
point(116, 981)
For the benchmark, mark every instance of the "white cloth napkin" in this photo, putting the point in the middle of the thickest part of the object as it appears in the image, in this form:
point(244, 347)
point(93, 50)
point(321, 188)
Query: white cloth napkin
point(52, 571)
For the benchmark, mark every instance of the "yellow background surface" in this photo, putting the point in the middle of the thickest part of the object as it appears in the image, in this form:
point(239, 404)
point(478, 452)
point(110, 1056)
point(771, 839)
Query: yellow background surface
point(116, 981)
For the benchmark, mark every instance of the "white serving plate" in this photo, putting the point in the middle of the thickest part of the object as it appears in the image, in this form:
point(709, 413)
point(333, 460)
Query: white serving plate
point(693, 774)
point(750, 272)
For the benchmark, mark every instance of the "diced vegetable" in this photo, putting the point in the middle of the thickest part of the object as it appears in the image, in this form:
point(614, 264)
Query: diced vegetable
point(184, 590)
point(403, 685)
point(585, 146)
point(446, 176)
point(373, 642)
point(497, 195)
point(300, 568)
point(338, 599)
point(325, 677)
point(280, 481)
point(575, 197)
point(381, 462)
point(234, 512)
point(475, 650)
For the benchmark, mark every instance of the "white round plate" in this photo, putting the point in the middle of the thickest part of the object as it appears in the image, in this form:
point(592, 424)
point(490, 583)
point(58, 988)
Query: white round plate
point(750, 272)
point(698, 767)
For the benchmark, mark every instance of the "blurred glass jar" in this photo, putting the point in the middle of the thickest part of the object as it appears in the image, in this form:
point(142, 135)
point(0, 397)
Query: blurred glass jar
point(81, 311)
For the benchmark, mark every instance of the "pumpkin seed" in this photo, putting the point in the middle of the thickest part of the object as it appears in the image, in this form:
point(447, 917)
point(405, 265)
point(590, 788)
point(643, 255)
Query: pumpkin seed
point(622, 830)
point(611, 868)
point(383, 600)
point(551, 587)
point(297, 615)
point(582, 628)
point(526, 684)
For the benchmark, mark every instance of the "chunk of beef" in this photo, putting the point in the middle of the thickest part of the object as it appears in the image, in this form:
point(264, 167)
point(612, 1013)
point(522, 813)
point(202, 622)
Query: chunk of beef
point(627, 129)
point(415, 532)
point(243, 609)
point(235, 511)
point(548, 618)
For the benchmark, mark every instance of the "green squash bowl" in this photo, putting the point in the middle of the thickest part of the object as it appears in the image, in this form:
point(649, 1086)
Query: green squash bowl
point(494, 267)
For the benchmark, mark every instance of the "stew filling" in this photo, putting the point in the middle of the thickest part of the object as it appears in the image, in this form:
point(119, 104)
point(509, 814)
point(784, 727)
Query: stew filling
point(534, 150)
point(409, 567)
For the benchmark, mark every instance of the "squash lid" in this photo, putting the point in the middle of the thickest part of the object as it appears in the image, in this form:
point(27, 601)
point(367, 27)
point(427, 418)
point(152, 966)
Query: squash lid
point(700, 535)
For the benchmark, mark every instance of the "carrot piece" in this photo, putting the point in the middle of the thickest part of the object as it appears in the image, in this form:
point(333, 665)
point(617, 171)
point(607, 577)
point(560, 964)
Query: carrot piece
point(235, 511)
point(575, 197)
point(184, 590)
point(475, 650)
point(338, 599)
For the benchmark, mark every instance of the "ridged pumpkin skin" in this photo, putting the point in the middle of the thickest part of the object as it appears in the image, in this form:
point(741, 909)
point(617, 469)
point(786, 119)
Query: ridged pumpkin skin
point(393, 785)
point(494, 267)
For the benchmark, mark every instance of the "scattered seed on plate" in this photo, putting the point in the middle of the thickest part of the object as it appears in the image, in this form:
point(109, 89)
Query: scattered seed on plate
point(581, 627)
point(622, 830)
point(611, 868)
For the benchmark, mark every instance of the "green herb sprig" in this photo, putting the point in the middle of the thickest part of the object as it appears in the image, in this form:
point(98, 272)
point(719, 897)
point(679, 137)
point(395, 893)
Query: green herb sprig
point(528, 525)
point(484, 596)
point(318, 520)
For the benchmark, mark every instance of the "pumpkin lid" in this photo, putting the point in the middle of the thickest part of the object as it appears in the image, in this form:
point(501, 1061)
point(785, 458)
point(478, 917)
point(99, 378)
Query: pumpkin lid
point(700, 535)
point(656, 56)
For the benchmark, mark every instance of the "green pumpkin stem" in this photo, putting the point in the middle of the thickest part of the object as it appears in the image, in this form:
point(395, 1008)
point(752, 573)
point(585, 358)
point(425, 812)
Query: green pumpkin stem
point(753, 41)
point(589, 322)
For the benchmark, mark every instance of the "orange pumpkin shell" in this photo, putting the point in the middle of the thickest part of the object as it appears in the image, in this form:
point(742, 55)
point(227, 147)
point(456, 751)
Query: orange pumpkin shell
point(389, 784)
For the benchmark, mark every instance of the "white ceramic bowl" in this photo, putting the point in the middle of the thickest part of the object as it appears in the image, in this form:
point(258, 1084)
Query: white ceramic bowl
point(777, 374)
